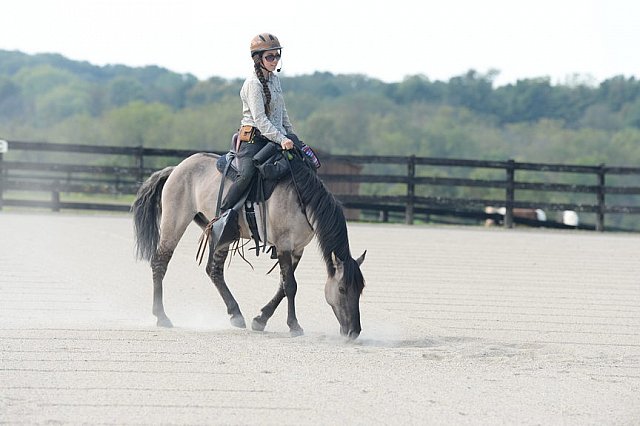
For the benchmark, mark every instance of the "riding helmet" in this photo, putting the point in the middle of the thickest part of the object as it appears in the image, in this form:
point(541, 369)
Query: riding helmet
point(263, 42)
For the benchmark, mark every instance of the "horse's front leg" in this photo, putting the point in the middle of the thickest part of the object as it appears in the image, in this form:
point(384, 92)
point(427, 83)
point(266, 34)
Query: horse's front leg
point(290, 287)
point(260, 322)
point(215, 270)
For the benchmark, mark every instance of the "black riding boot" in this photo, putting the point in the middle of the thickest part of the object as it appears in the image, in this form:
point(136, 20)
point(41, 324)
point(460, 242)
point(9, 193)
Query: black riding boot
point(225, 229)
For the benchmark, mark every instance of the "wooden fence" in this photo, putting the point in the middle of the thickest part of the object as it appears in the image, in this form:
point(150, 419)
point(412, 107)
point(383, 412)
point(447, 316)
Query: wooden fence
point(114, 174)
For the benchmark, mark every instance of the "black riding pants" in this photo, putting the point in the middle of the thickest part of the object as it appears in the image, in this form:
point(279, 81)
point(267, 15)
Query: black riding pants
point(246, 171)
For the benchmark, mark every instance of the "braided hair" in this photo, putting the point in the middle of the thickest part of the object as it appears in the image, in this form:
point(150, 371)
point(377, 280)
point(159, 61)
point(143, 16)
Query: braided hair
point(257, 65)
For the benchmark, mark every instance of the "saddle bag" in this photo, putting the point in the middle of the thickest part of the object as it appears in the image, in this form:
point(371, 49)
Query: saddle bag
point(246, 133)
point(270, 162)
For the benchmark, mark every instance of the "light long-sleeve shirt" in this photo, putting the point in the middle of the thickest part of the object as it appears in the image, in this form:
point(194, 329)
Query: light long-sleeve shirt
point(275, 126)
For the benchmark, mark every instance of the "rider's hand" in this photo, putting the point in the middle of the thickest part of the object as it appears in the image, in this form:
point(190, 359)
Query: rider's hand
point(287, 144)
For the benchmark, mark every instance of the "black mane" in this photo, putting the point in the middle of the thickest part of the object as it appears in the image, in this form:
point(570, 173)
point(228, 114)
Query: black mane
point(327, 218)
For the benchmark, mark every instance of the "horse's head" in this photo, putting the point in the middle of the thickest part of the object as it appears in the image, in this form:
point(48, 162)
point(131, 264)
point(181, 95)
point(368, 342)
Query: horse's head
point(342, 291)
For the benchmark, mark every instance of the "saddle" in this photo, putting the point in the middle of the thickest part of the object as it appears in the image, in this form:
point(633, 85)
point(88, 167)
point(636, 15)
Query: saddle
point(273, 165)
point(262, 187)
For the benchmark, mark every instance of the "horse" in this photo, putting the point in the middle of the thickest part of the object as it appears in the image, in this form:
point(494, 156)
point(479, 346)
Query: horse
point(299, 208)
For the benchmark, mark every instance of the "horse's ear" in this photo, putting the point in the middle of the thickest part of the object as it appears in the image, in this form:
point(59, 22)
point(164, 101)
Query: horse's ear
point(337, 263)
point(361, 258)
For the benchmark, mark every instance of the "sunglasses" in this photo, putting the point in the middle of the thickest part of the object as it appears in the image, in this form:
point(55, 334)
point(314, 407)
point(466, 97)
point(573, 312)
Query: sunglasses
point(271, 58)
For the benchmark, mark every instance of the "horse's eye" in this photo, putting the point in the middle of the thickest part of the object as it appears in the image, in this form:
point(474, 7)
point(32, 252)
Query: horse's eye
point(342, 290)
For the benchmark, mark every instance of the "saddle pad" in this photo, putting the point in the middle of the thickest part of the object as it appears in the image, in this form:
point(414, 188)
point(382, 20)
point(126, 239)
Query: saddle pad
point(232, 173)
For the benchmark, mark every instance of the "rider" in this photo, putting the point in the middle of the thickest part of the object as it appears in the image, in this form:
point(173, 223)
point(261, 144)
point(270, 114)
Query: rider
point(264, 115)
point(264, 121)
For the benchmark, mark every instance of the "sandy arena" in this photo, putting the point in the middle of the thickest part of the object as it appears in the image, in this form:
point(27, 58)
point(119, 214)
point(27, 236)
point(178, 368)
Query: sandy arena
point(461, 325)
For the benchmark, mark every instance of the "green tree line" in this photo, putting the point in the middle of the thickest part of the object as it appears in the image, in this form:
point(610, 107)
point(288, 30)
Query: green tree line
point(47, 97)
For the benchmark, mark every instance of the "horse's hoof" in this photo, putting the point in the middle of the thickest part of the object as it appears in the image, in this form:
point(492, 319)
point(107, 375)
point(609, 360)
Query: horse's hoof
point(256, 325)
point(297, 331)
point(164, 322)
point(238, 321)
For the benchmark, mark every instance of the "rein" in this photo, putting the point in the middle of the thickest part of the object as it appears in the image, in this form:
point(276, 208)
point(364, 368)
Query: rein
point(204, 241)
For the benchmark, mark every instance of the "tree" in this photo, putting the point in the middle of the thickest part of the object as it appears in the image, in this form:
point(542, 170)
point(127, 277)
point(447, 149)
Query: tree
point(472, 90)
point(12, 105)
point(124, 90)
point(617, 91)
point(139, 124)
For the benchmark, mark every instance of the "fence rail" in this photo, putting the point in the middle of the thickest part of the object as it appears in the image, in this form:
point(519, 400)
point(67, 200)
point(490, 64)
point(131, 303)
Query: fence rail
point(129, 166)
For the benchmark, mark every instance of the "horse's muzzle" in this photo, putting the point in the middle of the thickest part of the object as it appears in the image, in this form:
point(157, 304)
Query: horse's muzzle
point(351, 334)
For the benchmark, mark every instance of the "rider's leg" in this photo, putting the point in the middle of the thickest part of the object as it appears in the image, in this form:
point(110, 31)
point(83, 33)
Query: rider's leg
point(246, 173)
point(241, 184)
point(224, 229)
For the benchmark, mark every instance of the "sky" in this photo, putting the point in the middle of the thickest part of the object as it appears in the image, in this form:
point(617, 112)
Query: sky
point(388, 40)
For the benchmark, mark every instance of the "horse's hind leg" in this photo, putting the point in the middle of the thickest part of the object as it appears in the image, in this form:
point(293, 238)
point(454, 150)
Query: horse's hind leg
point(173, 226)
point(215, 270)
point(159, 263)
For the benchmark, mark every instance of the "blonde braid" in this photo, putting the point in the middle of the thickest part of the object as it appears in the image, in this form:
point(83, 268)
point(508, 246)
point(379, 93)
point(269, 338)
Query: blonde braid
point(257, 64)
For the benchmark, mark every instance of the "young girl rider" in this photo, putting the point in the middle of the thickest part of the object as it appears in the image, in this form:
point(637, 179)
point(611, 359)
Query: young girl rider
point(264, 115)
point(264, 121)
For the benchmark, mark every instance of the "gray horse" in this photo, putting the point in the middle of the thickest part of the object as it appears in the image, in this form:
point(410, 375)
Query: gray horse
point(299, 208)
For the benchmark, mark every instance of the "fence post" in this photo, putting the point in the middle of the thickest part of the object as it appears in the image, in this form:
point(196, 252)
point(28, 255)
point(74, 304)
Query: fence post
point(411, 189)
point(4, 147)
point(140, 163)
point(600, 197)
point(1, 181)
point(55, 196)
point(510, 194)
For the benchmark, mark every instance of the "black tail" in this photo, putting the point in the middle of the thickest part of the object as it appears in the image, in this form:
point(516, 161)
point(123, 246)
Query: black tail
point(146, 211)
